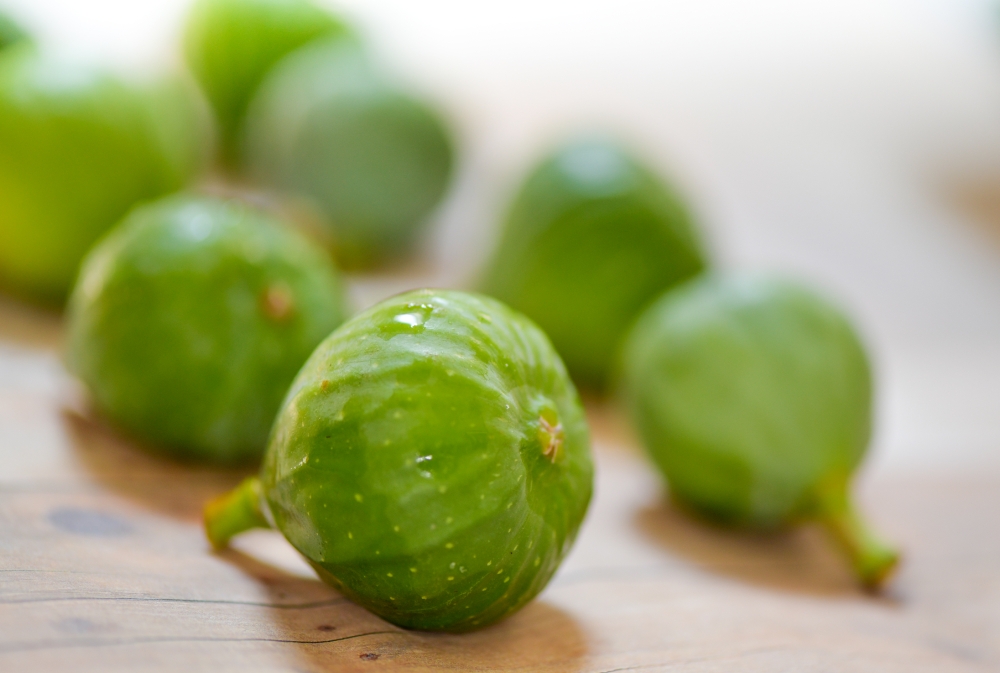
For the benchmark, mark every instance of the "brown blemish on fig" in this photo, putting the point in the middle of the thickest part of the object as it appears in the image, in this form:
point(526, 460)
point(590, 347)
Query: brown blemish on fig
point(278, 302)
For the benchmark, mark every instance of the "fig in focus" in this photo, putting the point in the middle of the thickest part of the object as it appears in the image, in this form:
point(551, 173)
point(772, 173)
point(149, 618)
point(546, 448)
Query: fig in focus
point(431, 462)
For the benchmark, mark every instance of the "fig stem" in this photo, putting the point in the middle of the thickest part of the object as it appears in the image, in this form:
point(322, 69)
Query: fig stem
point(235, 512)
point(872, 558)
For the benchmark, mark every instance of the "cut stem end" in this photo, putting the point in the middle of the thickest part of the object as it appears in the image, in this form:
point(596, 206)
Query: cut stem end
point(872, 559)
point(235, 512)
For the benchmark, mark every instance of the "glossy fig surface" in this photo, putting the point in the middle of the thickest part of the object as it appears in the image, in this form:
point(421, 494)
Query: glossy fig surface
point(192, 317)
point(591, 238)
point(431, 461)
point(754, 397)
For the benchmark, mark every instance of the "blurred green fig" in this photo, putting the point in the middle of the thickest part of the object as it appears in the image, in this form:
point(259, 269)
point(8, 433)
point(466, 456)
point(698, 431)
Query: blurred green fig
point(592, 237)
point(231, 44)
point(754, 397)
point(190, 320)
point(10, 32)
point(374, 160)
point(431, 461)
point(78, 148)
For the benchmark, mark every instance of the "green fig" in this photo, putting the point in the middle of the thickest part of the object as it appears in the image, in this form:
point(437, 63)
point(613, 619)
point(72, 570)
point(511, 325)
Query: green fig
point(374, 160)
point(190, 320)
point(592, 237)
point(231, 44)
point(754, 397)
point(10, 32)
point(431, 461)
point(78, 148)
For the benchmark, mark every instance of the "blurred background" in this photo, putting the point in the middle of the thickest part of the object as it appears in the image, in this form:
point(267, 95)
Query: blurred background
point(853, 142)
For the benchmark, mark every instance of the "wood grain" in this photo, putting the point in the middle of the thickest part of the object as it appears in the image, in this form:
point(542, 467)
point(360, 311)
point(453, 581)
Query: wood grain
point(103, 567)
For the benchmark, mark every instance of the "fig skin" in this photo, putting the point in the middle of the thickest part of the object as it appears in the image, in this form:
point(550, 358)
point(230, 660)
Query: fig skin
point(592, 237)
point(78, 148)
point(230, 45)
point(372, 160)
point(192, 317)
point(431, 461)
point(753, 396)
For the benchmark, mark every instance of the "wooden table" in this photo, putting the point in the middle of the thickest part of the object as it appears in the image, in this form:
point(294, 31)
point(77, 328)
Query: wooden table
point(103, 567)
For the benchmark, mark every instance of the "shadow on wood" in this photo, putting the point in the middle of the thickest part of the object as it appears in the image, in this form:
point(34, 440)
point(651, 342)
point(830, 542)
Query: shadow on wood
point(800, 559)
point(29, 325)
point(327, 632)
point(153, 481)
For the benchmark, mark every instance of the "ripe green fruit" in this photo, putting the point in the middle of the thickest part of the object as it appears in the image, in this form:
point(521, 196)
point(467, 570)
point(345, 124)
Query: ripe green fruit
point(374, 160)
point(79, 148)
point(231, 44)
point(190, 320)
point(592, 237)
point(754, 398)
point(431, 461)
